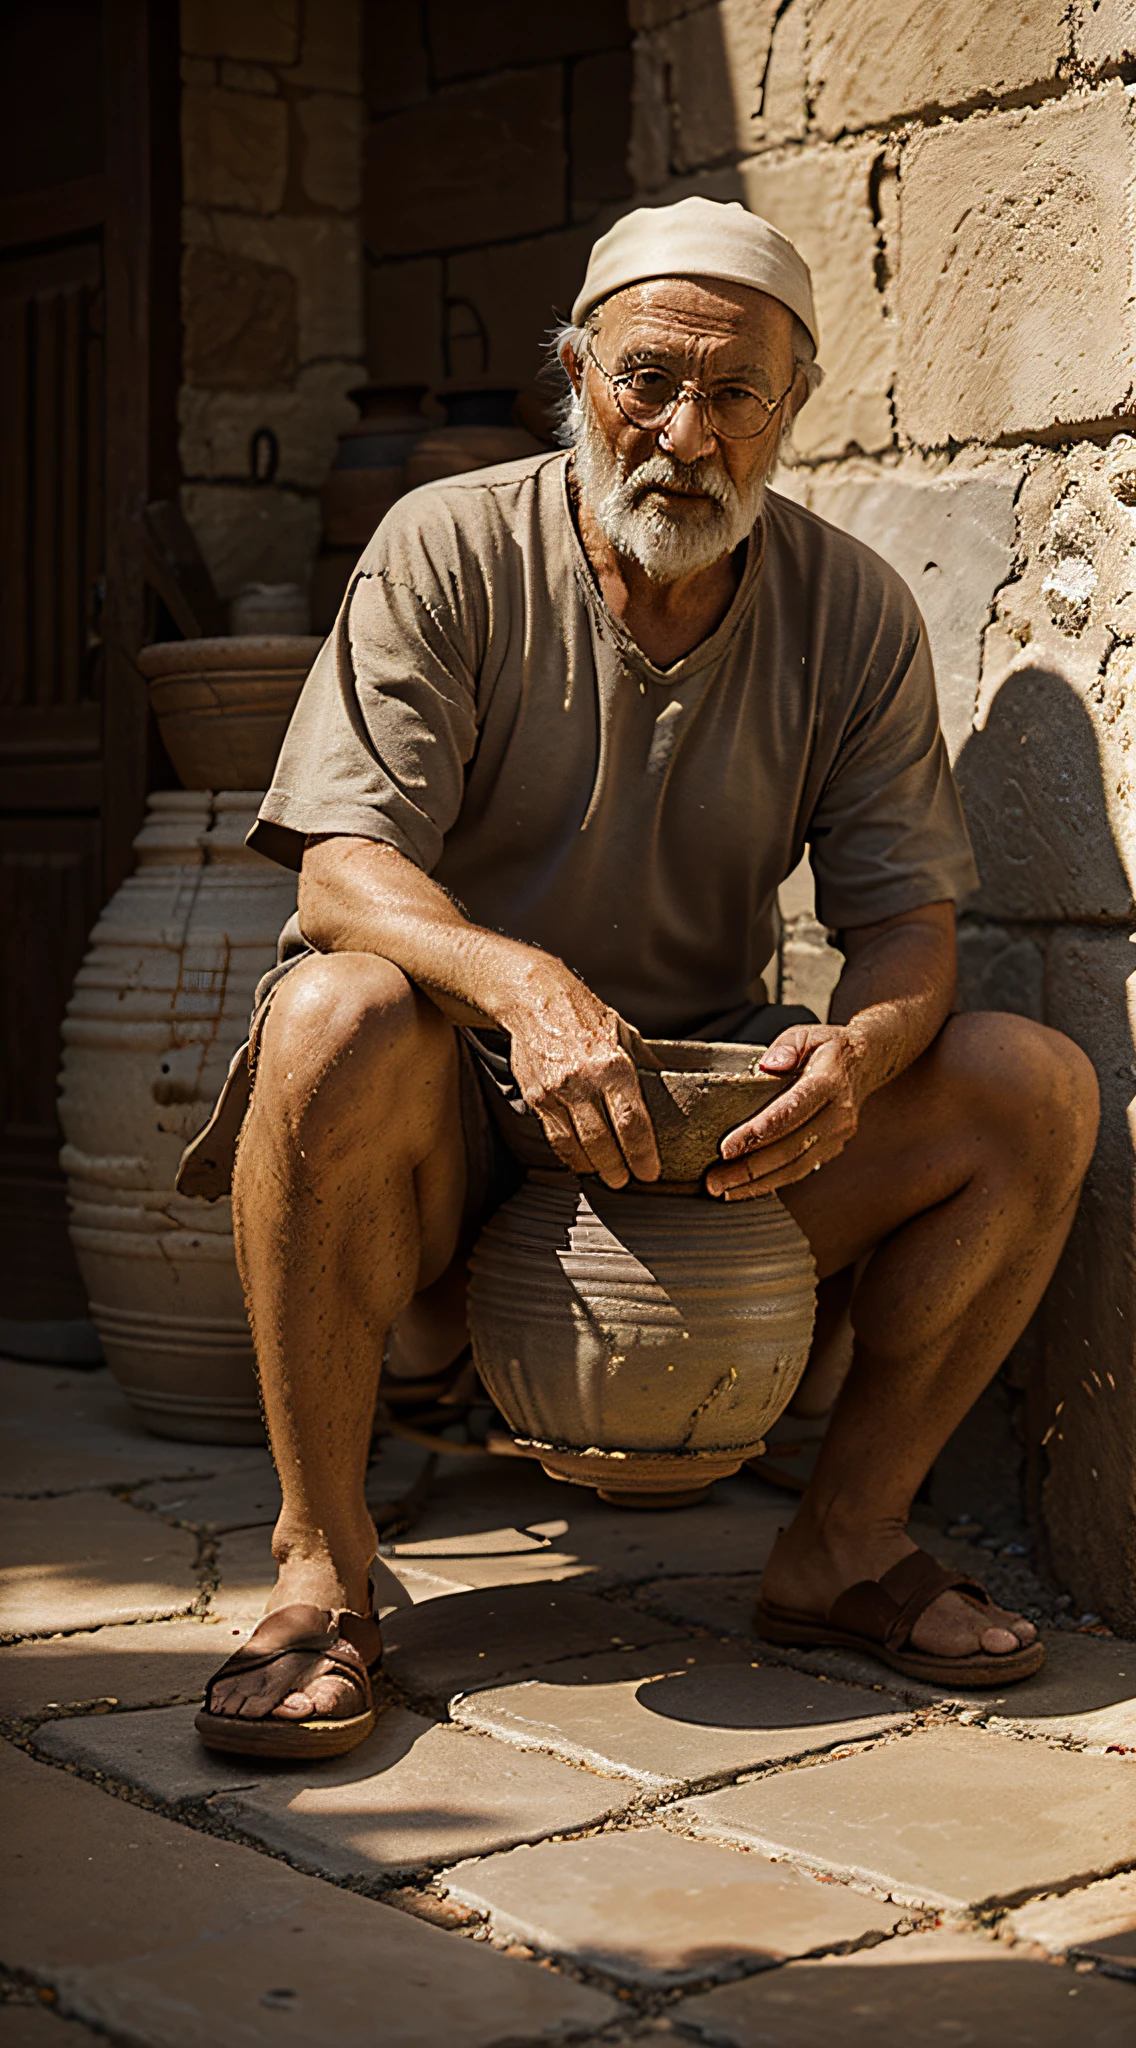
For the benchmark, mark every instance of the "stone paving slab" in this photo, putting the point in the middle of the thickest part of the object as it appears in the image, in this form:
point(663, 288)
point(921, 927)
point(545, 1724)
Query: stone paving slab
point(1084, 1692)
point(246, 1498)
point(247, 1574)
point(86, 1559)
point(443, 1648)
point(165, 1936)
point(674, 1715)
point(144, 1664)
point(948, 1816)
point(62, 1430)
point(1099, 1922)
point(37, 2026)
point(648, 1907)
point(922, 1988)
point(414, 1794)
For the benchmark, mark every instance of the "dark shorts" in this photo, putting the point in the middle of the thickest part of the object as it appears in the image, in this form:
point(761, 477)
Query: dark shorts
point(502, 1137)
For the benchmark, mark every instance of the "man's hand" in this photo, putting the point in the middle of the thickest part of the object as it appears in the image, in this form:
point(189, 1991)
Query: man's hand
point(574, 1061)
point(807, 1125)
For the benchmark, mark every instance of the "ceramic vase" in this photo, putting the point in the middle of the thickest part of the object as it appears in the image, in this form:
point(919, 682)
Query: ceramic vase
point(223, 705)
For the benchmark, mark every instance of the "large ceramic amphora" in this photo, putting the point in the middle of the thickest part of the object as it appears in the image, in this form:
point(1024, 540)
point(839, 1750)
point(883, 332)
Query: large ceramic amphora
point(160, 1004)
point(643, 1340)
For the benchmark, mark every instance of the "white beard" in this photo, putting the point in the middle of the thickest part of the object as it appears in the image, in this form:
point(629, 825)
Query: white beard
point(646, 527)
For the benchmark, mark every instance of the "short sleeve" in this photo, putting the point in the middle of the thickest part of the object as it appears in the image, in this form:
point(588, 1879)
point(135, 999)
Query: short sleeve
point(888, 833)
point(386, 722)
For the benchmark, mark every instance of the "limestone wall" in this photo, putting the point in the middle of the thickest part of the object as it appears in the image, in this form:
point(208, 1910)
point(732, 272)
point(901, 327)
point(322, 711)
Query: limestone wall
point(962, 179)
point(272, 131)
point(496, 152)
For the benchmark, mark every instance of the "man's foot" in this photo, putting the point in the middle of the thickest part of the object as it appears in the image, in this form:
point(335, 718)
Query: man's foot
point(297, 1686)
point(809, 1570)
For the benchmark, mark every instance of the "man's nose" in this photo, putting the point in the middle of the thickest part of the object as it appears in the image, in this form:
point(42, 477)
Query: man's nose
point(687, 434)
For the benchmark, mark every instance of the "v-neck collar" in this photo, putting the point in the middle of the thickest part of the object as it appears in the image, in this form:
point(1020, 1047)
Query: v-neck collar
point(707, 651)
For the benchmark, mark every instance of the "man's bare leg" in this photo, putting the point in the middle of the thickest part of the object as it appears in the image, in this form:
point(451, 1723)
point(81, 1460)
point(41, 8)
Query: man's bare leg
point(347, 1200)
point(961, 1183)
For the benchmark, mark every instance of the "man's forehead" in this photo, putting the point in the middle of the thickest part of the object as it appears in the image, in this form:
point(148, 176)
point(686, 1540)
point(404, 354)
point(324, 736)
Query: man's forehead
point(705, 310)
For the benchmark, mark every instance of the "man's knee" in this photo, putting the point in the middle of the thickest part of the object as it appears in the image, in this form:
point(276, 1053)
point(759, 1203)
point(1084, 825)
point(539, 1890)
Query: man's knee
point(1032, 1083)
point(346, 1025)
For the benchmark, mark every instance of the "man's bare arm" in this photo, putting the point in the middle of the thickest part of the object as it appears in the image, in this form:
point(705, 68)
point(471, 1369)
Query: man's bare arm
point(893, 998)
point(573, 1057)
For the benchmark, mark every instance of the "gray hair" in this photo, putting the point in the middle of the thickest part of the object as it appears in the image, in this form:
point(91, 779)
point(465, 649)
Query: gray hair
point(566, 413)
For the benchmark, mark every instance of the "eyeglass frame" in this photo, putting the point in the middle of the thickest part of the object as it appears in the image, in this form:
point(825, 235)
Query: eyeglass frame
point(687, 393)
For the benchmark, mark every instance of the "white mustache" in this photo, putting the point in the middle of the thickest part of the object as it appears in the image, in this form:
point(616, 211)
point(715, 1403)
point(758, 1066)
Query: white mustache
point(663, 471)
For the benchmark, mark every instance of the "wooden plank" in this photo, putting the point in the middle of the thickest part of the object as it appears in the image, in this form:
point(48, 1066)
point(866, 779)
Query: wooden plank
point(53, 210)
point(13, 501)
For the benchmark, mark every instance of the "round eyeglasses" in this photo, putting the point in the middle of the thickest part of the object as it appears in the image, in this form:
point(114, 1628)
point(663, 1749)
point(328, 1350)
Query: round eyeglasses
point(650, 395)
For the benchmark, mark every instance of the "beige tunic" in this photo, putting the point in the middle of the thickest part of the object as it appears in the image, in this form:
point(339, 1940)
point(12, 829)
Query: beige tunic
point(478, 707)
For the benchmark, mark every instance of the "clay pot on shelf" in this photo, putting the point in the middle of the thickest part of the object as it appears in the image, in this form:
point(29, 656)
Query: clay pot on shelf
point(479, 431)
point(642, 1340)
point(160, 1004)
point(223, 705)
point(368, 472)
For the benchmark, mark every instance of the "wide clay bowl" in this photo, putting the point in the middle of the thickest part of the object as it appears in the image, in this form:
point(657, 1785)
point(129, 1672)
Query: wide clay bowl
point(223, 705)
point(703, 1092)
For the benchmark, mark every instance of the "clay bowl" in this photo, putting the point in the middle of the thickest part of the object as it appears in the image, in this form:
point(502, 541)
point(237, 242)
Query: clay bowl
point(703, 1091)
point(223, 705)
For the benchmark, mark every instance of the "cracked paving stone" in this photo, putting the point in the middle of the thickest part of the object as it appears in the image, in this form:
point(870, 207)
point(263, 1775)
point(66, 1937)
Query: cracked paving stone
point(648, 1907)
point(244, 1499)
point(413, 1794)
point(39, 2026)
point(86, 1559)
point(919, 1989)
point(139, 1665)
point(672, 1715)
point(945, 1817)
point(443, 1648)
point(63, 1431)
point(1099, 1921)
point(160, 1935)
point(1084, 1692)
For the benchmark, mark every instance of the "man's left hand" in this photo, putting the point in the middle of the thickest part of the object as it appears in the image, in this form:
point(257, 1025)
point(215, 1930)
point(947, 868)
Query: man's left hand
point(807, 1125)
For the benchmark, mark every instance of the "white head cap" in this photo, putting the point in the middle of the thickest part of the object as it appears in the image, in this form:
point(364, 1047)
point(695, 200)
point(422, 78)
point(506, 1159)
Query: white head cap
point(699, 238)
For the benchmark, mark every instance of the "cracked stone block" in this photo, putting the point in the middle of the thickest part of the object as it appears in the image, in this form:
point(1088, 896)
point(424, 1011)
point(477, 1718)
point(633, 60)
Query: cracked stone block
point(951, 535)
point(331, 163)
point(1010, 225)
point(1099, 1922)
point(404, 321)
point(216, 427)
point(320, 251)
point(598, 137)
point(443, 1647)
point(947, 1817)
point(1000, 970)
point(264, 31)
point(244, 1499)
point(142, 1664)
point(822, 201)
point(703, 88)
point(648, 1907)
point(246, 536)
point(241, 325)
point(62, 1431)
point(153, 1932)
point(156, 1750)
point(518, 291)
point(85, 1559)
point(331, 54)
point(923, 1987)
point(414, 1796)
point(234, 148)
point(1104, 32)
point(872, 63)
point(1083, 1404)
point(513, 32)
point(494, 168)
point(672, 1716)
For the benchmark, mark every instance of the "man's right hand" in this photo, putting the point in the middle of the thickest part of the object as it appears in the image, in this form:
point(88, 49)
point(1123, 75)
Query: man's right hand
point(575, 1064)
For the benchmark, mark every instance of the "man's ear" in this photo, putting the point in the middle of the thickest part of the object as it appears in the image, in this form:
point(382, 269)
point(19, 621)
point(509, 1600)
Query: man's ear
point(572, 366)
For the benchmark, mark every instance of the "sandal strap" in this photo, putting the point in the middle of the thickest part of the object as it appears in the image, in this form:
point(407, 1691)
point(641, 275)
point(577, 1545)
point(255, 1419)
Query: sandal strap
point(352, 1646)
point(886, 1609)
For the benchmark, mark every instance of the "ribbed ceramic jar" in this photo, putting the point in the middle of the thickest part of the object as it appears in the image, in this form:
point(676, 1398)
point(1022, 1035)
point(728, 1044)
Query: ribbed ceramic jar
point(223, 705)
point(159, 1006)
point(640, 1342)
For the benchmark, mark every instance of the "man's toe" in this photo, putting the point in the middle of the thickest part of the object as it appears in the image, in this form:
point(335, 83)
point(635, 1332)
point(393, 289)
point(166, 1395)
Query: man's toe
point(999, 1642)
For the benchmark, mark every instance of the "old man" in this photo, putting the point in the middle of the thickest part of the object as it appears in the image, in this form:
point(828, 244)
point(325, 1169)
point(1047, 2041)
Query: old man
point(579, 717)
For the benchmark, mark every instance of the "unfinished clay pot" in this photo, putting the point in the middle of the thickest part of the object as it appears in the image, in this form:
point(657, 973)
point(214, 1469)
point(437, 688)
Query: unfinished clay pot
point(642, 1340)
point(369, 470)
point(479, 431)
point(160, 1004)
point(223, 705)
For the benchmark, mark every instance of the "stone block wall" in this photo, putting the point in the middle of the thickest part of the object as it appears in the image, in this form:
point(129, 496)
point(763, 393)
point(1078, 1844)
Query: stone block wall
point(962, 179)
point(496, 151)
point(272, 298)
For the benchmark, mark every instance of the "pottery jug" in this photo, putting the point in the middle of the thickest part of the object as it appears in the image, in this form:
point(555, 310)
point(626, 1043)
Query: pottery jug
point(479, 431)
point(160, 1004)
point(223, 705)
point(368, 472)
point(642, 1340)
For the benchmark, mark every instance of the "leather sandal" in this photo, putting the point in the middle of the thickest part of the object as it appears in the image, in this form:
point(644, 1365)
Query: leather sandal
point(878, 1615)
point(353, 1647)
